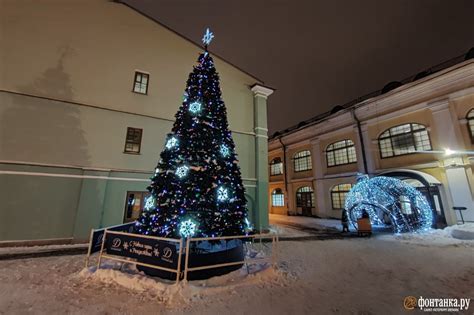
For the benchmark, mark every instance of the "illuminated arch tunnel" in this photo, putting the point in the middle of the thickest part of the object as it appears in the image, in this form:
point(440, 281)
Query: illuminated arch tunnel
point(389, 201)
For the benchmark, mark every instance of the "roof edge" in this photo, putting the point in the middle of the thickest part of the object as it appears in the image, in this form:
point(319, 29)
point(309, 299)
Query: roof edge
point(186, 38)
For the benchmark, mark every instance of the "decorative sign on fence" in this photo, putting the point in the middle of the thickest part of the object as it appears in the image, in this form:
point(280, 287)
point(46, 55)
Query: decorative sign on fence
point(148, 250)
point(98, 235)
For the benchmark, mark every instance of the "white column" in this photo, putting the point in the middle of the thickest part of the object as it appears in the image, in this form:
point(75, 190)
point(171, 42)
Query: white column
point(448, 135)
point(261, 155)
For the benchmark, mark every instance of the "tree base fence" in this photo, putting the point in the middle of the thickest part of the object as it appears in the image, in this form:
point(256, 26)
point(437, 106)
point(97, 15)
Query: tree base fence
point(166, 254)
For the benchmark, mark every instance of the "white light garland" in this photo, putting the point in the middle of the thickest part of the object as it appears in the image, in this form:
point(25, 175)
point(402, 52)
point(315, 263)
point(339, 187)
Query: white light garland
point(383, 196)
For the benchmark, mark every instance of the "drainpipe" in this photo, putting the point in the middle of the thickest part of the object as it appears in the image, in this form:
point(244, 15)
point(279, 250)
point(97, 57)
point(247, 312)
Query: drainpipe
point(284, 165)
point(361, 139)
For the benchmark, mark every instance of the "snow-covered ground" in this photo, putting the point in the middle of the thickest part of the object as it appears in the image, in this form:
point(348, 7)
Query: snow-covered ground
point(306, 221)
point(351, 276)
point(39, 249)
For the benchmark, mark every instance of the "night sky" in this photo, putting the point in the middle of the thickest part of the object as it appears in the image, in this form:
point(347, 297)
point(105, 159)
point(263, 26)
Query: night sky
point(319, 54)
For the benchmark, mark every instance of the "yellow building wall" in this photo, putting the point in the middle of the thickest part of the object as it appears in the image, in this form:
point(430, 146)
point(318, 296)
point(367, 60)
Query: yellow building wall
point(291, 169)
point(423, 117)
point(274, 209)
point(292, 204)
point(352, 167)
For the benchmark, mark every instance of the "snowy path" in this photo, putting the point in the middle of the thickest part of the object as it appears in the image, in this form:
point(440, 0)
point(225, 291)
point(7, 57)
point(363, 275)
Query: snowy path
point(359, 276)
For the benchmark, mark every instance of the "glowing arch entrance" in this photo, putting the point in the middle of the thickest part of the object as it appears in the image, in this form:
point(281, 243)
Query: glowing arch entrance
point(427, 185)
point(389, 200)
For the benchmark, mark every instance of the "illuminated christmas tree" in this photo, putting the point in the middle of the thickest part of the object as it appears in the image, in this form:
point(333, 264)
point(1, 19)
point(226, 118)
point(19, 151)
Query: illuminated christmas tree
point(197, 188)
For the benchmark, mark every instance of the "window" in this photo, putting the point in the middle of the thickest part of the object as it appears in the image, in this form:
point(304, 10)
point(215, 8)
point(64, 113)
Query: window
point(276, 167)
point(340, 153)
point(133, 140)
point(302, 161)
point(140, 84)
point(305, 197)
point(404, 139)
point(278, 198)
point(338, 195)
point(134, 205)
point(470, 123)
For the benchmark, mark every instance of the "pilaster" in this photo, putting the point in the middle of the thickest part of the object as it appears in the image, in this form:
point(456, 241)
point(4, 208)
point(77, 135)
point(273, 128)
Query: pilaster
point(261, 93)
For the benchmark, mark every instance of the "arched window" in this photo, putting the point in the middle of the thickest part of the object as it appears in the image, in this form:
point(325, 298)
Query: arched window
point(340, 153)
point(305, 197)
point(302, 161)
point(278, 198)
point(276, 167)
point(470, 123)
point(404, 139)
point(338, 195)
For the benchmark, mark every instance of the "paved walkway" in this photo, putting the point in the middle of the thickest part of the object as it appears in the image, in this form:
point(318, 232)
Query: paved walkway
point(315, 229)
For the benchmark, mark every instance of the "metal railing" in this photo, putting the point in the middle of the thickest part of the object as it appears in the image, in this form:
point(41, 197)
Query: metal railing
point(273, 258)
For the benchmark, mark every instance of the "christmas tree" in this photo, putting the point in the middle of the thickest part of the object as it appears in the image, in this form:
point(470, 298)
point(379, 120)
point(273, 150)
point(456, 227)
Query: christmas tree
point(197, 187)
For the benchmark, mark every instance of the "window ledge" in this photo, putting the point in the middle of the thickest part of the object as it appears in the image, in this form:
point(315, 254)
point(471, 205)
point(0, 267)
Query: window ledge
point(132, 153)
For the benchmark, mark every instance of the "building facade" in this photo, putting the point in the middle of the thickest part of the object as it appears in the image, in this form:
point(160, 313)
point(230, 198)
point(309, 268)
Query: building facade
point(88, 92)
point(403, 131)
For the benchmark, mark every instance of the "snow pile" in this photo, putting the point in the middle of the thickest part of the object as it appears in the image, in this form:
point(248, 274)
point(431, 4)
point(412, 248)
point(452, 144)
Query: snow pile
point(462, 232)
point(451, 235)
point(40, 248)
point(170, 293)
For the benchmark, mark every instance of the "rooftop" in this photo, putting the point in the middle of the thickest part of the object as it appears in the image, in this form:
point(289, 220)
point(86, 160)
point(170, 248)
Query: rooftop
point(388, 87)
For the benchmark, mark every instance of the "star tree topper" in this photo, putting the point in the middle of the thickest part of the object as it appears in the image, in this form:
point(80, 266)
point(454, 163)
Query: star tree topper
point(208, 36)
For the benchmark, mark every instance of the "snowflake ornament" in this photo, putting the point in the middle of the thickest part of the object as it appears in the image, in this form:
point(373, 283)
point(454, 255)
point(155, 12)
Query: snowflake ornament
point(149, 203)
point(208, 36)
point(182, 171)
point(195, 107)
point(187, 228)
point(224, 150)
point(222, 194)
point(172, 142)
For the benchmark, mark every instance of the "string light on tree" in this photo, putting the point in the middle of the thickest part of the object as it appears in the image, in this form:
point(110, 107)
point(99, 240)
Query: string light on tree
point(187, 228)
point(182, 171)
point(205, 147)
